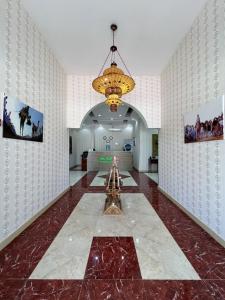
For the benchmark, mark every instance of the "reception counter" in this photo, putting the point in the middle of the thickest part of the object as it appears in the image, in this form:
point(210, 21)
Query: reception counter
point(102, 161)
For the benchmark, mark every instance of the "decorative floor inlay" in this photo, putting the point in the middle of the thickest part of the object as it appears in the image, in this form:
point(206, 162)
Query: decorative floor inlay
point(106, 176)
point(20, 257)
point(112, 258)
point(158, 254)
point(101, 176)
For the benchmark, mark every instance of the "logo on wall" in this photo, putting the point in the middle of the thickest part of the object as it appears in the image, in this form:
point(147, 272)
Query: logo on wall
point(107, 139)
point(20, 121)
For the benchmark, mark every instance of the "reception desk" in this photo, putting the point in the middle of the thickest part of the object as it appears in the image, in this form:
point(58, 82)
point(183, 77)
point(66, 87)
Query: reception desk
point(102, 161)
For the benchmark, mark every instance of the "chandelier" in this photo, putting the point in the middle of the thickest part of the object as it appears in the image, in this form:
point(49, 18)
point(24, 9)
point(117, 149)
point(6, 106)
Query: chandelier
point(113, 83)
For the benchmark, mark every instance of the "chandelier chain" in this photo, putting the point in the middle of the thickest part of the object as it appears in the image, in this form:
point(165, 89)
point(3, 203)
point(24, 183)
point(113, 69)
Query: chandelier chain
point(124, 63)
point(104, 63)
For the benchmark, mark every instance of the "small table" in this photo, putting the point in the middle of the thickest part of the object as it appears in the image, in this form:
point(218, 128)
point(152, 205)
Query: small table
point(152, 162)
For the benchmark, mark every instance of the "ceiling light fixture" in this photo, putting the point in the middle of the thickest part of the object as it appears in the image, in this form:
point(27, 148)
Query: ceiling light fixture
point(113, 83)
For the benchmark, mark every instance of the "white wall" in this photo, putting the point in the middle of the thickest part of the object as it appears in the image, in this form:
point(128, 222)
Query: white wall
point(31, 174)
point(143, 149)
point(118, 137)
point(194, 174)
point(83, 140)
point(81, 98)
point(136, 150)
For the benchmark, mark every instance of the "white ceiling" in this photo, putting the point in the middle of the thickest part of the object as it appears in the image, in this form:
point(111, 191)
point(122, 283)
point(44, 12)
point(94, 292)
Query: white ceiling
point(78, 31)
point(104, 116)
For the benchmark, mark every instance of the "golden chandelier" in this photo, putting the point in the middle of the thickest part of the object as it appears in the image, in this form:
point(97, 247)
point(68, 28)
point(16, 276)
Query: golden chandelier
point(113, 83)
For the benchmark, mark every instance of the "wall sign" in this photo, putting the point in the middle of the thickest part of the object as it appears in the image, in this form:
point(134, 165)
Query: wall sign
point(105, 159)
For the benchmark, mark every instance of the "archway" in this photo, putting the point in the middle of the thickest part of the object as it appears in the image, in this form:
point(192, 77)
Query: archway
point(127, 125)
point(139, 114)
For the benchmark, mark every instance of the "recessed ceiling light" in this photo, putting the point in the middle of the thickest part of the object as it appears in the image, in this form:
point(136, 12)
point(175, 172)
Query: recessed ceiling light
point(120, 115)
point(114, 129)
point(99, 115)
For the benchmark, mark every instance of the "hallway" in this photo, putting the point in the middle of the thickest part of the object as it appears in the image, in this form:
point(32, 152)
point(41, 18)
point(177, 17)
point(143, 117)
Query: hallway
point(110, 262)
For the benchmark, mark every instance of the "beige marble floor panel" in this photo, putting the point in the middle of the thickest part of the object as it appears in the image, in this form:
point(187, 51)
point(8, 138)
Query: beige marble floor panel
point(158, 254)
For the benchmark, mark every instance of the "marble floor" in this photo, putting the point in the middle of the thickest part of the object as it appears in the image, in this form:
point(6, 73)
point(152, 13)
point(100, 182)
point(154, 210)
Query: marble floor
point(152, 251)
point(153, 176)
point(75, 176)
point(101, 176)
point(158, 254)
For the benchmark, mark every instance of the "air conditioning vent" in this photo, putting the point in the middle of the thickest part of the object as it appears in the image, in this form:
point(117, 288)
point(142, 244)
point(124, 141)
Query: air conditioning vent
point(129, 112)
point(91, 114)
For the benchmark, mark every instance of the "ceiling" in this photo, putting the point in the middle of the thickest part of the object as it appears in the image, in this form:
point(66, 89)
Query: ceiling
point(101, 115)
point(78, 31)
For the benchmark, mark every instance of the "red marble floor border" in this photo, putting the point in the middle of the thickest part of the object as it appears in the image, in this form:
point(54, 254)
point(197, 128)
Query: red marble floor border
point(98, 289)
point(20, 257)
point(39, 289)
point(112, 258)
point(206, 255)
point(152, 290)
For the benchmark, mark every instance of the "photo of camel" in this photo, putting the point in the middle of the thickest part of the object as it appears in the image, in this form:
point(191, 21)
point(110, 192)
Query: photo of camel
point(206, 124)
point(20, 121)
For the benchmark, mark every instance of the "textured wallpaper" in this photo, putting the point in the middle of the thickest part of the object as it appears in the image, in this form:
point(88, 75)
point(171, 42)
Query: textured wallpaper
point(194, 174)
point(31, 174)
point(145, 98)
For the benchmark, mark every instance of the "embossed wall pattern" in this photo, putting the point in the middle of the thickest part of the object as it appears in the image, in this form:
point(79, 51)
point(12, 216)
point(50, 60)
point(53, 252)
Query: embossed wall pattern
point(31, 174)
point(194, 174)
point(145, 98)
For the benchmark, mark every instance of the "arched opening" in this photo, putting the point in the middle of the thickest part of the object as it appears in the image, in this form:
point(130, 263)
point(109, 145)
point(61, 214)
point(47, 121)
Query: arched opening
point(120, 111)
point(123, 133)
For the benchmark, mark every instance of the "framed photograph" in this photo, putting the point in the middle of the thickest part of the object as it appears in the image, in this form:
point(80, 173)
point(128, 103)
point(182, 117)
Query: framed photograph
point(205, 124)
point(20, 121)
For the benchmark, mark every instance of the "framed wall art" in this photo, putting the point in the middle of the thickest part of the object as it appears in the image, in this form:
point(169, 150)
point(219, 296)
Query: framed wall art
point(20, 121)
point(206, 123)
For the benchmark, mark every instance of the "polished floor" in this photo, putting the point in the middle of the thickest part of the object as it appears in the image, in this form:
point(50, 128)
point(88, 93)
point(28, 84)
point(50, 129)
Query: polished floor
point(158, 254)
point(73, 251)
point(75, 176)
point(101, 177)
point(153, 176)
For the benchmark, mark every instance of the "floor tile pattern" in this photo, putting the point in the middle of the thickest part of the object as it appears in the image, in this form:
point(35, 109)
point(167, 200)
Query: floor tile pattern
point(112, 258)
point(75, 176)
point(197, 245)
point(204, 253)
point(101, 176)
point(158, 254)
point(153, 176)
point(107, 176)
